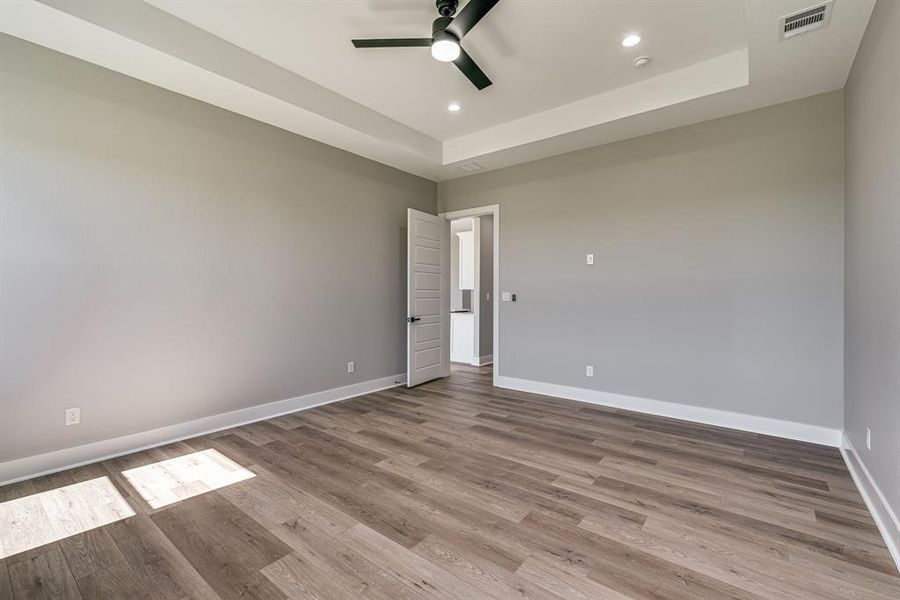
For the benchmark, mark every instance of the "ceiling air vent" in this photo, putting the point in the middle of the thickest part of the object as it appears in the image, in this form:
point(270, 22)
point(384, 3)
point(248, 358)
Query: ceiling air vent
point(805, 20)
point(471, 167)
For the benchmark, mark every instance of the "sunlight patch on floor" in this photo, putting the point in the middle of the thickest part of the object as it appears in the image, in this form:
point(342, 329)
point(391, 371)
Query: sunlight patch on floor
point(168, 481)
point(39, 519)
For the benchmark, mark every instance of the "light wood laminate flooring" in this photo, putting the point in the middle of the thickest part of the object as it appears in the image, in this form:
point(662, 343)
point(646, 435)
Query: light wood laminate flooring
point(457, 489)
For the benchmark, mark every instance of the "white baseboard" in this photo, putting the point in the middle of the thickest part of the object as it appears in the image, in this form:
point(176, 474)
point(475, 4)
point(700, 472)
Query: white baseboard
point(487, 359)
point(462, 358)
point(28, 467)
point(884, 516)
point(475, 361)
point(698, 414)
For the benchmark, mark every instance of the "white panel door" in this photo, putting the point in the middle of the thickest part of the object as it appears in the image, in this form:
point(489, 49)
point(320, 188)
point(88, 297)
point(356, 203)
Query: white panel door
point(428, 297)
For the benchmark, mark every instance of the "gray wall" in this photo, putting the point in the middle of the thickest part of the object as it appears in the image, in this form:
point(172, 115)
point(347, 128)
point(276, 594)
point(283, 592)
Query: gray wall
point(486, 284)
point(872, 317)
point(718, 279)
point(164, 260)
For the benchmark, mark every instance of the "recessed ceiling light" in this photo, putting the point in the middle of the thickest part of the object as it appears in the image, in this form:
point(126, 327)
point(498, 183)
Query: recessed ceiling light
point(454, 107)
point(632, 39)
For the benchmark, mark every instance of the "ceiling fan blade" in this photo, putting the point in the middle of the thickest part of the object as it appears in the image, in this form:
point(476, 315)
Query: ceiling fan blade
point(471, 70)
point(393, 43)
point(469, 16)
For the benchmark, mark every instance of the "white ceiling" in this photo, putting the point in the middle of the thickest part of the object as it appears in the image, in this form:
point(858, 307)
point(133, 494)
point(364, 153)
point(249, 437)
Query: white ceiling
point(538, 54)
point(562, 80)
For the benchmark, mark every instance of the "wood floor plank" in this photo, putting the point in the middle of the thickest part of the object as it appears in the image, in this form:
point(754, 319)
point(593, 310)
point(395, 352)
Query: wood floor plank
point(270, 502)
point(223, 544)
point(333, 556)
point(91, 551)
point(154, 559)
point(204, 593)
point(44, 576)
point(116, 582)
point(298, 578)
point(458, 557)
point(625, 568)
point(417, 573)
point(5, 585)
point(564, 580)
point(767, 571)
point(456, 489)
point(511, 509)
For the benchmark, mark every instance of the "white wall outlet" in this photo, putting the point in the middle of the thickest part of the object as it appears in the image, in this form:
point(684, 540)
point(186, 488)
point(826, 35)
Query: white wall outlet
point(590, 259)
point(351, 366)
point(73, 416)
point(589, 370)
point(868, 439)
point(506, 296)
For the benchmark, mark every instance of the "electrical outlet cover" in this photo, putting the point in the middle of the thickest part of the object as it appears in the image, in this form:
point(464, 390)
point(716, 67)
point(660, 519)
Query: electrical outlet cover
point(73, 416)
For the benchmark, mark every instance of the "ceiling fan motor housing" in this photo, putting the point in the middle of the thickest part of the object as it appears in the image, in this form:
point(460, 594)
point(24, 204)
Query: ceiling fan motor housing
point(438, 28)
point(446, 8)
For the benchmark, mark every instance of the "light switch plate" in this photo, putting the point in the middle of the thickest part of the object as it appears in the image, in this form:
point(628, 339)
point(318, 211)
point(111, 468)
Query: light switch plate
point(590, 259)
point(506, 296)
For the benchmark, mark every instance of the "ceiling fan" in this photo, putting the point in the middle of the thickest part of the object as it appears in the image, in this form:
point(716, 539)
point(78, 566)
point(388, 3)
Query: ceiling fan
point(446, 33)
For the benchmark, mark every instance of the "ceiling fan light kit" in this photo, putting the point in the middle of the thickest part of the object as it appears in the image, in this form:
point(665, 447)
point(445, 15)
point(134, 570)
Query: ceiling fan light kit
point(446, 33)
point(444, 45)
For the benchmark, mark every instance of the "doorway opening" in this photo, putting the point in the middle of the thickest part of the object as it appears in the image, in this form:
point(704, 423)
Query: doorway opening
point(474, 281)
point(471, 290)
point(430, 295)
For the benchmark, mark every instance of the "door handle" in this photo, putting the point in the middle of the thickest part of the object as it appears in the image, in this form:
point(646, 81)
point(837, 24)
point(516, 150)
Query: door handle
point(413, 319)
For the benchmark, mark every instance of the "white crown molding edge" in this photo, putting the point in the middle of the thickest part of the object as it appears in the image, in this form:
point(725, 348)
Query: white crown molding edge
point(803, 432)
point(884, 516)
point(29, 467)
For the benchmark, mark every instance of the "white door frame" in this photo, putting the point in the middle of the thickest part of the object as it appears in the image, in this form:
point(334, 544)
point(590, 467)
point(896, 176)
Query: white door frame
point(482, 211)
